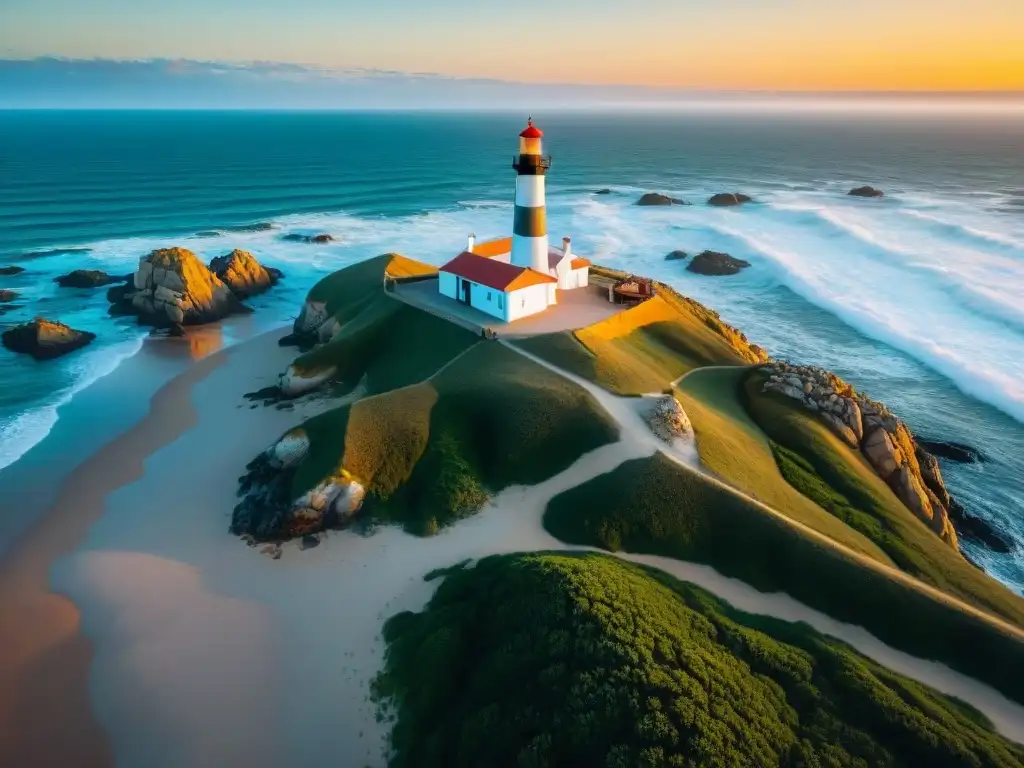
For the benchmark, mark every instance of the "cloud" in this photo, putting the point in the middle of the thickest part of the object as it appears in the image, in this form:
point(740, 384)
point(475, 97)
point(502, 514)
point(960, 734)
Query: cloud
point(58, 83)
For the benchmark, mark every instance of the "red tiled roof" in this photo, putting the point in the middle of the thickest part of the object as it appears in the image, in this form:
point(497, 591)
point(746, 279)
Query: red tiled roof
point(532, 131)
point(494, 274)
point(579, 263)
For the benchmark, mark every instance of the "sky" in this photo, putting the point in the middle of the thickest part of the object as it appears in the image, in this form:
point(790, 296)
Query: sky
point(691, 44)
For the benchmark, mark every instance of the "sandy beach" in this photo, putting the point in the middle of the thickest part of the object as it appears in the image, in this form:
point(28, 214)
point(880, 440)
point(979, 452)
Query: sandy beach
point(170, 643)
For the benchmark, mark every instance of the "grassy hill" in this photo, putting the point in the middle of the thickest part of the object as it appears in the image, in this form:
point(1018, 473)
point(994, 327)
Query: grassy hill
point(654, 506)
point(644, 348)
point(557, 660)
point(839, 479)
point(734, 448)
point(389, 343)
point(431, 453)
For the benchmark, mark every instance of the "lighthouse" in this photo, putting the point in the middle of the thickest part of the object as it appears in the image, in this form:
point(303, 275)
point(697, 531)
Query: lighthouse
point(529, 228)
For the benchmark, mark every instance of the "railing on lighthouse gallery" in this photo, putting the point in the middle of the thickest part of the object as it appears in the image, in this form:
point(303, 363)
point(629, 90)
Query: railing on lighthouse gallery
point(530, 163)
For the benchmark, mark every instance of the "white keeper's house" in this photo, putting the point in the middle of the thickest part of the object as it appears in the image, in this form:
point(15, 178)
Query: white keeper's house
point(517, 276)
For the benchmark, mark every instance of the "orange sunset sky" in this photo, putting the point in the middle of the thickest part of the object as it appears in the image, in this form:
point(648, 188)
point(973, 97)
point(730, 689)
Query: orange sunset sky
point(729, 44)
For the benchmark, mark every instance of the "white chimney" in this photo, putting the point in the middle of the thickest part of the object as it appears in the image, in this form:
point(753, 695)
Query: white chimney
point(566, 246)
point(471, 242)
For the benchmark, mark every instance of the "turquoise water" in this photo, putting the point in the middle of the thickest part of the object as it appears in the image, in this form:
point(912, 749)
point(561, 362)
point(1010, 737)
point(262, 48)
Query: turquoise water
point(915, 298)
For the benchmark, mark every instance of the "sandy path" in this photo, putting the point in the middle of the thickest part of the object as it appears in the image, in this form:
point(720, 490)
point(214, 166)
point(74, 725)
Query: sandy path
point(210, 654)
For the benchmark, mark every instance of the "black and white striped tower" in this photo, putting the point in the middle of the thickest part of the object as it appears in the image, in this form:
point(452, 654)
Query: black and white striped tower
point(530, 228)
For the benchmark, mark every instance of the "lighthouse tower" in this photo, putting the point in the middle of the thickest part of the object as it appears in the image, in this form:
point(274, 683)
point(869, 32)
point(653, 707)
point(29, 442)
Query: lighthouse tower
point(530, 229)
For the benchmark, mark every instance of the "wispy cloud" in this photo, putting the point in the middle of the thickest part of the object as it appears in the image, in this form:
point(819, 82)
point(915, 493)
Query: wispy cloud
point(59, 83)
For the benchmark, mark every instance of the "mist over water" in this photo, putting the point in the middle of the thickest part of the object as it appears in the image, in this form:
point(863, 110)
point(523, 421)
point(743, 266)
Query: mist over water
point(916, 298)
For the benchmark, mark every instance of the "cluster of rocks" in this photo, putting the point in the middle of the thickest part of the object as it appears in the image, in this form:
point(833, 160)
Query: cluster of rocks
point(885, 441)
point(726, 199)
point(44, 339)
point(667, 419)
point(268, 512)
point(712, 263)
point(716, 264)
point(866, 192)
point(173, 288)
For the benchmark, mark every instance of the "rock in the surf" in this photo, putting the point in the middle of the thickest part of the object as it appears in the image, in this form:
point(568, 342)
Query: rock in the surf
point(11, 270)
point(320, 239)
point(243, 274)
point(7, 296)
point(866, 192)
point(958, 452)
point(676, 256)
point(656, 198)
point(173, 288)
point(725, 199)
point(87, 278)
point(604, 191)
point(45, 339)
point(715, 263)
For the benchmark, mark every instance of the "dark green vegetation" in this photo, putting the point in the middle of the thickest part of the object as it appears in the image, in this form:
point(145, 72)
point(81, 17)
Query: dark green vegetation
point(644, 348)
point(389, 343)
point(431, 453)
point(584, 660)
point(824, 469)
point(733, 447)
point(654, 506)
point(345, 288)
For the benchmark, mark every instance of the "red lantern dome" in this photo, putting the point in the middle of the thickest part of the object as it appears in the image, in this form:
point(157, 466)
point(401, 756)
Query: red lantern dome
point(532, 131)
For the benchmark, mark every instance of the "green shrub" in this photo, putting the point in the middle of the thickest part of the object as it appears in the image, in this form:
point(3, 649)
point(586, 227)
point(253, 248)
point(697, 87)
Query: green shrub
point(584, 660)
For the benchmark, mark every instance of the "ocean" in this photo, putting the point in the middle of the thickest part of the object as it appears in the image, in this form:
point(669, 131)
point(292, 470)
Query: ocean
point(918, 298)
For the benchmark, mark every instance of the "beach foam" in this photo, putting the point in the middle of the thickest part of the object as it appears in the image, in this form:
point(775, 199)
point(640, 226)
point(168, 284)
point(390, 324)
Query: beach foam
point(28, 428)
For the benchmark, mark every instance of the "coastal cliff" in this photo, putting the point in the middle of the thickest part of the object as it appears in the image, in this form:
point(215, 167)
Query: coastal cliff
point(870, 427)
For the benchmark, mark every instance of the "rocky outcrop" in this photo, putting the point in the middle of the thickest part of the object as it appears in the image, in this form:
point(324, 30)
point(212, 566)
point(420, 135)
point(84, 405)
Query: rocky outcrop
point(267, 510)
point(45, 339)
point(715, 263)
point(886, 442)
point(88, 278)
point(172, 288)
point(245, 276)
point(725, 199)
point(320, 239)
point(958, 452)
point(312, 317)
point(11, 270)
point(667, 419)
point(656, 198)
point(866, 192)
point(7, 296)
point(604, 191)
point(676, 256)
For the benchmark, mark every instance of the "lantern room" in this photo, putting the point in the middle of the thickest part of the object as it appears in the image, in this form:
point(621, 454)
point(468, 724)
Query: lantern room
point(530, 139)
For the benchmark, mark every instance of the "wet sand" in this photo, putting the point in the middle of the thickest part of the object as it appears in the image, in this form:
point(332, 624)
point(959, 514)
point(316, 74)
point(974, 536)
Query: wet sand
point(44, 666)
